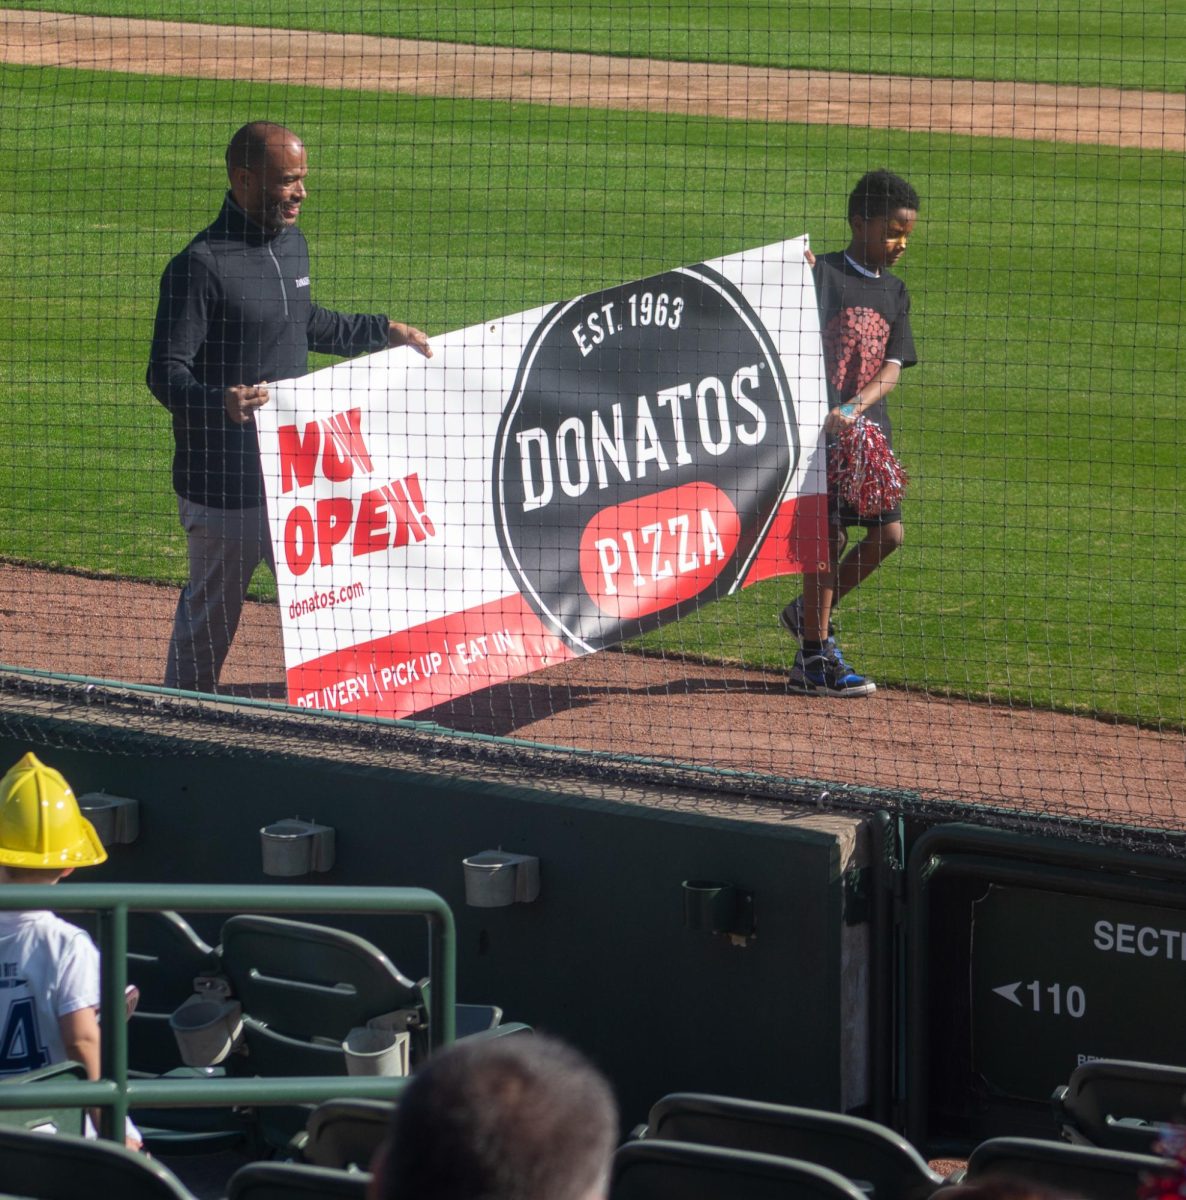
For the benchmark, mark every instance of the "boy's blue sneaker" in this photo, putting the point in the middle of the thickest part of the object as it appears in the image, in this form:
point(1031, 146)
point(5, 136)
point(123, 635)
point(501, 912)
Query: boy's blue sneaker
point(827, 674)
point(791, 619)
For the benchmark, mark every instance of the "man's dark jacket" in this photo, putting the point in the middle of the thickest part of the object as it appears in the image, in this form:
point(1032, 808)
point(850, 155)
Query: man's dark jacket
point(235, 309)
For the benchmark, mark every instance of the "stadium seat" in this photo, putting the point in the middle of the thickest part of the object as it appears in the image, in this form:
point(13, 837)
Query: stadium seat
point(292, 1181)
point(882, 1162)
point(62, 1167)
point(303, 987)
point(180, 1130)
point(1117, 1104)
point(345, 1133)
point(1084, 1171)
point(164, 956)
point(661, 1170)
point(45, 1117)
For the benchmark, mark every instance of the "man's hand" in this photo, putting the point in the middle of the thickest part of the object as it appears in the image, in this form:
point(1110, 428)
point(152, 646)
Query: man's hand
point(808, 256)
point(399, 334)
point(242, 401)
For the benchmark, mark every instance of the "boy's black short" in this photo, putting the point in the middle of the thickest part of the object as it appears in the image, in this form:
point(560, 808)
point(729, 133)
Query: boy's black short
point(842, 516)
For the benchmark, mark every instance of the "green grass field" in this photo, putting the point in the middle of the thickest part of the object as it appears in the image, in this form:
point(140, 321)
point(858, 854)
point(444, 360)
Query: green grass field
point(1043, 562)
point(1090, 43)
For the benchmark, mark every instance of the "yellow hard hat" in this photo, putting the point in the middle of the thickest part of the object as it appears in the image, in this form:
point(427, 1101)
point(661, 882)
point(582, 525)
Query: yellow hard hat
point(40, 822)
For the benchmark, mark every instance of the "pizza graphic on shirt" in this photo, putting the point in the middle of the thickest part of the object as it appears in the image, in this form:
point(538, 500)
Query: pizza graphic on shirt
point(854, 348)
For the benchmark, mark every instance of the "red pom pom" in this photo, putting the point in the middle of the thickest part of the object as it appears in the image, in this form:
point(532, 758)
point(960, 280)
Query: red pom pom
point(863, 470)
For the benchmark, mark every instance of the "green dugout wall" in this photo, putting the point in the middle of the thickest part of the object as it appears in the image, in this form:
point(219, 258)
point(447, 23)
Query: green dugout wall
point(614, 954)
point(944, 980)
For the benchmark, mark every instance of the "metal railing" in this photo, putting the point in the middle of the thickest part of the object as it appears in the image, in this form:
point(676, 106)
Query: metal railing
point(114, 1093)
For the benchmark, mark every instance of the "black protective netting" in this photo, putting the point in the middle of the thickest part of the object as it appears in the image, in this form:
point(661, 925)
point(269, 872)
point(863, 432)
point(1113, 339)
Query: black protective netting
point(596, 526)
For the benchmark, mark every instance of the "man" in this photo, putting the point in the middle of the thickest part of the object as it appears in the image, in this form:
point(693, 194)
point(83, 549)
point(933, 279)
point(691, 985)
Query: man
point(515, 1118)
point(236, 312)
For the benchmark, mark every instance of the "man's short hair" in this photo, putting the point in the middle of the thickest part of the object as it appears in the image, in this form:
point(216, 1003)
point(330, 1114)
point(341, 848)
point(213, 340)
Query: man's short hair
point(524, 1117)
point(248, 146)
point(880, 193)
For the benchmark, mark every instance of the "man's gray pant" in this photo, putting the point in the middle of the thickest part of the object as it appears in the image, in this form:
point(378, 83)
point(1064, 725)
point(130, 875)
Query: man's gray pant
point(225, 547)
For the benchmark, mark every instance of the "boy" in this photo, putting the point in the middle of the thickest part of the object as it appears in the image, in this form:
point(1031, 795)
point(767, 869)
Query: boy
point(867, 342)
point(49, 969)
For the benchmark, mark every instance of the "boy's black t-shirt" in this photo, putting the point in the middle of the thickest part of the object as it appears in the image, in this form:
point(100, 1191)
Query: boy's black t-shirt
point(863, 321)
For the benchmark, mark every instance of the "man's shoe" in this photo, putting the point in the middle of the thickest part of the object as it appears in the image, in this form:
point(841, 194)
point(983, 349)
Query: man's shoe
point(827, 674)
point(791, 619)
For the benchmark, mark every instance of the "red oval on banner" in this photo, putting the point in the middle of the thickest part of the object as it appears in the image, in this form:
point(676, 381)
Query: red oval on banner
point(647, 554)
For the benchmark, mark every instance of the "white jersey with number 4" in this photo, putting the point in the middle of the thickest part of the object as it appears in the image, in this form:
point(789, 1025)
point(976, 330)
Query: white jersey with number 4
point(48, 969)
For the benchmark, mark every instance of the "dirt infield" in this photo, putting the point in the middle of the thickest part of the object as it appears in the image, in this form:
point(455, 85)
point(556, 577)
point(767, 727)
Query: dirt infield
point(1103, 116)
point(721, 716)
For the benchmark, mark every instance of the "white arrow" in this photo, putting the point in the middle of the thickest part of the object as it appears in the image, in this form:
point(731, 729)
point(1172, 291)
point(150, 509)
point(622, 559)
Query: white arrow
point(1009, 991)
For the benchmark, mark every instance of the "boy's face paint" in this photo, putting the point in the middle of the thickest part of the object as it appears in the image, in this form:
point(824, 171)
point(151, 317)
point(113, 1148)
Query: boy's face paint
point(879, 242)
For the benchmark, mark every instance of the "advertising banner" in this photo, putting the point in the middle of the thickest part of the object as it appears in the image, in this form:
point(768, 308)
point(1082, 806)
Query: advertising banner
point(546, 484)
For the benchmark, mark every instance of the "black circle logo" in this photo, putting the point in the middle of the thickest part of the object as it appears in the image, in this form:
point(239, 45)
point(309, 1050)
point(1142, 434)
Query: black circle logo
point(644, 450)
